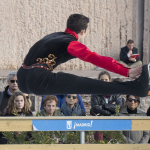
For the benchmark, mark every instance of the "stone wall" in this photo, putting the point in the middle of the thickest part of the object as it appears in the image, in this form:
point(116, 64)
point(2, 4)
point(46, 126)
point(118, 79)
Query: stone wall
point(23, 22)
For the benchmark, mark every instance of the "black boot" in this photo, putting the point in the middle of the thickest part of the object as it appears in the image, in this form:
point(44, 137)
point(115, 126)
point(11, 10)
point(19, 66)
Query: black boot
point(142, 82)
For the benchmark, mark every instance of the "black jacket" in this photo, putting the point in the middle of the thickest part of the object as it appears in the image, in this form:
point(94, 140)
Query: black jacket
point(5, 100)
point(123, 54)
point(107, 108)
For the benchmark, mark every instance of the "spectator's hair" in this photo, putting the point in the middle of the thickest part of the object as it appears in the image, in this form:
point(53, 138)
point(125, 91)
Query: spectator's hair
point(117, 80)
point(11, 107)
point(49, 98)
point(27, 97)
point(104, 73)
point(77, 22)
point(136, 97)
point(13, 73)
point(130, 41)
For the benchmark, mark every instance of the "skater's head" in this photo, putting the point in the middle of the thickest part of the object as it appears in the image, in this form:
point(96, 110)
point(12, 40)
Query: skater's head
point(130, 44)
point(18, 103)
point(104, 76)
point(12, 81)
point(49, 104)
point(71, 99)
point(78, 23)
point(132, 102)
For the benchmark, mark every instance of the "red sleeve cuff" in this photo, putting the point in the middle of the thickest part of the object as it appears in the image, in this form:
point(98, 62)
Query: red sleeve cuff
point(79, 50)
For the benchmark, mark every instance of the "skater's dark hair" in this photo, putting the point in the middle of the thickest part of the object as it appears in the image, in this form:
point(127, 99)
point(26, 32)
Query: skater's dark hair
point(104, 73)
point(130, 42)
point(77, 22)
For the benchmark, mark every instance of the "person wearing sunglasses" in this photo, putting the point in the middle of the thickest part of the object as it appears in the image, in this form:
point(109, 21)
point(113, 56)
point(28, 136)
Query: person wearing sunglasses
point(134, 137)
point(71, 106)
point(61, 100)
point(9, 90)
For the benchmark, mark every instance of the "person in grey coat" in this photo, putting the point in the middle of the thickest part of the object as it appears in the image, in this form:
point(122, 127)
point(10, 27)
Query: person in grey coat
point(134, 137)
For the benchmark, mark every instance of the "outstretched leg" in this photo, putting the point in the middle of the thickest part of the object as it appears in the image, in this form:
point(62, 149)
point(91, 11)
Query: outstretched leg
point(43, 82)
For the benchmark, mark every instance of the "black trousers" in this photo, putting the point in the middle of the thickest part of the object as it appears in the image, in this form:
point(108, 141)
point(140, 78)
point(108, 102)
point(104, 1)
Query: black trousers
point(40, 81)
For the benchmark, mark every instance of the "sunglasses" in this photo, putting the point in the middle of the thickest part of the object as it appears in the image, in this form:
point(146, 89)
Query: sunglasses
point(13, 81)
point(74, 97)
point(135, 100)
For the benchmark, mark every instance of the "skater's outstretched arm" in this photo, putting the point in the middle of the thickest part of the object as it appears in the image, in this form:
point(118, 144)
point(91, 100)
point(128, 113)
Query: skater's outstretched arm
point(79, 50)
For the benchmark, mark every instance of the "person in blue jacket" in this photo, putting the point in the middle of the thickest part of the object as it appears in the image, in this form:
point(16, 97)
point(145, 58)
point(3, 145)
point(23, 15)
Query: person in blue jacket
point(61, 99)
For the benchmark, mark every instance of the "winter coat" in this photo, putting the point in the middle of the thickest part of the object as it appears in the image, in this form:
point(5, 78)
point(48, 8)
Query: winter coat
point(76, 110)
point(124, 57)
point(5, 100)
point(107, 108)
point(135, 137)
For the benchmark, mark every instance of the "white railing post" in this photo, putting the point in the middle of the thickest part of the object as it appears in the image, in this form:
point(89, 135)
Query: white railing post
point(82, 137)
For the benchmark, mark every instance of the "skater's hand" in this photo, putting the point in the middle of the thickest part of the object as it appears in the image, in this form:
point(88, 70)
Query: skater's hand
point(135, 72)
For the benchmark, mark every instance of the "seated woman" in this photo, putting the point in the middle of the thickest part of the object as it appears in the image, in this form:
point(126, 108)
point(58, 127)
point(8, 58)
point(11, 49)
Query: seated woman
point(18, 105)
point(49, 107)
point(104, 104)
point(61, 100)
point(71, 106)
point(134, 137)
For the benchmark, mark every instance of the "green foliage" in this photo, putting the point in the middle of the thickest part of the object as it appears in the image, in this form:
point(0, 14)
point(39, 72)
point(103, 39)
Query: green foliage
point(40, 137)
point(117, 110)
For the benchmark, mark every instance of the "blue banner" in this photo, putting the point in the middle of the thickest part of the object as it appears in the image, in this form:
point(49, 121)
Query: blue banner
point(81, 125)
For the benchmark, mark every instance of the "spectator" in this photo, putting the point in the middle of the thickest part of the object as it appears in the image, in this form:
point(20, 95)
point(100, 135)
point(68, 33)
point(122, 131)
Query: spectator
point(104, 104)
point(27, 97)
point(71, 106)
point(134, 137)
point(18, 105)
point(61, 100)
point(9, 90)
point(49, 109)
point(125, 55)
point(148, 114)
point(49, 106)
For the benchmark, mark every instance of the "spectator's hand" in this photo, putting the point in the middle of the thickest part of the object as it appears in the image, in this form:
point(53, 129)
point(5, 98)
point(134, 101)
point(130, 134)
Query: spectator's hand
point(114, 103)
point(132, 59)
point(135, 72)
point(130, 52)
point(17, 133)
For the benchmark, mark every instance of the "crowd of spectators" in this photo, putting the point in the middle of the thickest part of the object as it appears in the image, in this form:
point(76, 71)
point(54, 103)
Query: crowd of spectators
point(15, 103)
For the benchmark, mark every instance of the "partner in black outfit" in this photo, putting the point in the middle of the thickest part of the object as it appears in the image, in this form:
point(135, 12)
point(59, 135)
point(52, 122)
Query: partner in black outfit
point(36, 76)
